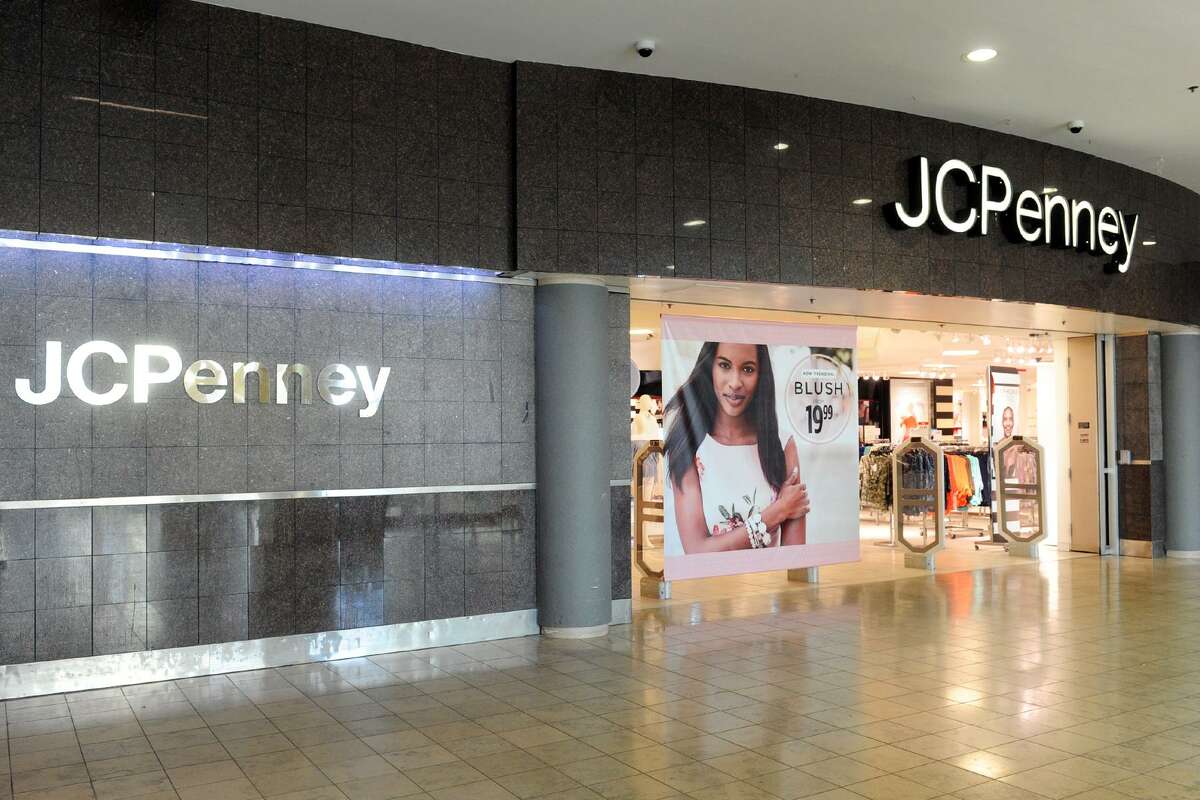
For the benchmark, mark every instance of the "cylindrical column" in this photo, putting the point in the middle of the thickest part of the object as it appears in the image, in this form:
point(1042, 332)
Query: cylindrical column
point(574, 543)
point(1181, 442)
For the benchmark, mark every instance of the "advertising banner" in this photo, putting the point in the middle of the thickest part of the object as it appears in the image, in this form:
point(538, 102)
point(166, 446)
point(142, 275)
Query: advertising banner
point(1005, 413)
point(761, 446)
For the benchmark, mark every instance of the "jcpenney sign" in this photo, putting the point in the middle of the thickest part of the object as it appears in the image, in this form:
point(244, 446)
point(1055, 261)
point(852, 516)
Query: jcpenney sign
point(1027, 217)
point(205, 381)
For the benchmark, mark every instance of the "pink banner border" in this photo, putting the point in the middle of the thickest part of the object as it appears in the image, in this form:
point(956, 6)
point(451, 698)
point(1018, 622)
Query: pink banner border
point(767, 559)
point(753, 331)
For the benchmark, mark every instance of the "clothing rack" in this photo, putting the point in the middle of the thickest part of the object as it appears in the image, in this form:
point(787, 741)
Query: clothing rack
point(988, 536)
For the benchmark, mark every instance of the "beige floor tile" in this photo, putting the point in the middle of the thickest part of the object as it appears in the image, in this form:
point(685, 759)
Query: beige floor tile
point(479, 790)
point(198, 774)
point(441, 776)
point(987, 764)
point(132, 786)
point(237, 789)
point(384, 787)
point(291, 780)
point(791, 784)
point(892, 787)
point(943, 777)
point(371, 766)
point(1047, 783)
point(49, 778)
point(738, 790)
point(188, 756)
point(596, 770)
point(122, 766)
point(1091, 771)
point(635, 787)
point(564, 751)
point(936, 747)
point(687, 778)
point(535, 783)
point(57, 757)
point(417, 757)
point(745, 765)
point(507, 763)
point(889, 758)
point(842, 771)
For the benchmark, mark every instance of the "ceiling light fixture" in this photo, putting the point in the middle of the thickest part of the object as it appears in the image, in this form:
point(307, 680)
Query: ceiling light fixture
point(950, 353)
point(861, 201)
point(1149, 242)
point(641, 331)
point(782, 146)
point(979, 55)
point(1049, 189)
point(693, 223)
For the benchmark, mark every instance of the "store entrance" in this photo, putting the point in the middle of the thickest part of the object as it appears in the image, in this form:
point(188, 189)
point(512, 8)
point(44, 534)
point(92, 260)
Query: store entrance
point(965, 386)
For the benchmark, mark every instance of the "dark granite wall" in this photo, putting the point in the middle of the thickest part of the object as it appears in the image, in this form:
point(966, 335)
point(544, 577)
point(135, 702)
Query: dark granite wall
point(457, 407)
point(611, 165)
point(1141, 484)
point(185, 122)
point(94, 581)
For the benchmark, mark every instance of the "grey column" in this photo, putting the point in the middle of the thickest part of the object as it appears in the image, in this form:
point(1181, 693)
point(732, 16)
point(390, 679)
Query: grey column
point(574, 540)
point(1181, 442)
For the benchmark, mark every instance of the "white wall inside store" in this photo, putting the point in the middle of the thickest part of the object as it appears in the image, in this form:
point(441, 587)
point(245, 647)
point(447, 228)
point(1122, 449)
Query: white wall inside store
point(1048, 426)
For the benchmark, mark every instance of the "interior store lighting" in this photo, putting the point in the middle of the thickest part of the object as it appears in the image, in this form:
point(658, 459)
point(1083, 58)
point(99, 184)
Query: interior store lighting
point(979, 55)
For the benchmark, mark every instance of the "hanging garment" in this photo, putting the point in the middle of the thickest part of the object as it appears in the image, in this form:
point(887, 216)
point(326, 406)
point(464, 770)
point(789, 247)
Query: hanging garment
point(976, 480)
point(875, 479)
point(960, 490)
point(985, 474)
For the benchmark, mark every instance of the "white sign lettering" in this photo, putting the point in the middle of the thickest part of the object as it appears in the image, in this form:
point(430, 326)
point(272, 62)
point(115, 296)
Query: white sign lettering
point(1031, 218)
point(204, 381)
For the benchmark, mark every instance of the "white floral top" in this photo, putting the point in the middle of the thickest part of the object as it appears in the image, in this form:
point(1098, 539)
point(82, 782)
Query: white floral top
point(728, 475)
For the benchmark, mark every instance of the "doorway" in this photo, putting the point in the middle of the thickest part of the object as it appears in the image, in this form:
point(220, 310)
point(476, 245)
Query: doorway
point(941, 373)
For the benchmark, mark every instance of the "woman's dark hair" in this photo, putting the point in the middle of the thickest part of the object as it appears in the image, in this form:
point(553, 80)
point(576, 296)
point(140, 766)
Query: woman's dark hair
point(693, 408)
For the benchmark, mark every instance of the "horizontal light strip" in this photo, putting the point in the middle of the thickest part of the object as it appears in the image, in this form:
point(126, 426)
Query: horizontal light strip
point(207, 255)
point(298, 494)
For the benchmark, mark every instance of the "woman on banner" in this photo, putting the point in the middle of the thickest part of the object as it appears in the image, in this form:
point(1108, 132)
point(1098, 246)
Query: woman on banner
point(735, 485)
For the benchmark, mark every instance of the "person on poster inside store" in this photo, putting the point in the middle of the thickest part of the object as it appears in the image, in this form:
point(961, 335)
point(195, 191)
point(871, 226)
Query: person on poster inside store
point(735, 484)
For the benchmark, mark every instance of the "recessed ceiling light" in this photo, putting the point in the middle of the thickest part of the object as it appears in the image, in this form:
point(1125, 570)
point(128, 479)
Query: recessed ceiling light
point(861, 201)
point(782, 146)
point(671, 267)
point(960, 352)
point(979, 55)
point(693, 223)
point(1149, 242)
point(1049, 189)
point(641, 331)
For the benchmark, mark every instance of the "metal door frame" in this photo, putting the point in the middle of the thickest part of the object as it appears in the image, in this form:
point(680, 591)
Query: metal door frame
point(1106, 397)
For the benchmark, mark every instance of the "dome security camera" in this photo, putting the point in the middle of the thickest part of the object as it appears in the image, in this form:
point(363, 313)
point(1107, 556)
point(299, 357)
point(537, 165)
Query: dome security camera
point(1075, 126)
point(645, 47)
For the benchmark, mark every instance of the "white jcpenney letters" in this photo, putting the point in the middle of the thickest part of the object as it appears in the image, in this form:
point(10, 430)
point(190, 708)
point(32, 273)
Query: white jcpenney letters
point(1031, 218)
point(205, 381)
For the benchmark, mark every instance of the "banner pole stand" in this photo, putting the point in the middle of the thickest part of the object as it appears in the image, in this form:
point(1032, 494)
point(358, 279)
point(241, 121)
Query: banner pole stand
point(923, 561)
point(804, 575)
point(655, 589)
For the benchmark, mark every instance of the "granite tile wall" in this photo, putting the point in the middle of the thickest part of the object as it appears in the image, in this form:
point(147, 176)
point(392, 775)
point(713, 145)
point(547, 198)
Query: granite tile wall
point(180, 121)
point(611, 167)
point(1141, 485)
point(457, 408)
point(94, 581)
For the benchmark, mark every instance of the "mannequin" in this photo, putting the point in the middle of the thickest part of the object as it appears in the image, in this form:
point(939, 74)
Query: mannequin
point(645, 426)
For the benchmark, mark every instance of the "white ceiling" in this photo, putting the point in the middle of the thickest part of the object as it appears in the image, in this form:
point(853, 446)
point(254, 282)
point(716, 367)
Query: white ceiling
point(1122, 67)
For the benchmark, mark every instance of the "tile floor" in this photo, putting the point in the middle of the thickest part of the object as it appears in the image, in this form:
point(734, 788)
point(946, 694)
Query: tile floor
point(1071, 678)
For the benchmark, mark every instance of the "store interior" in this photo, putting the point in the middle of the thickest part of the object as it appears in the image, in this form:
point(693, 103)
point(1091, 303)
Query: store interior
point(927, 380)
